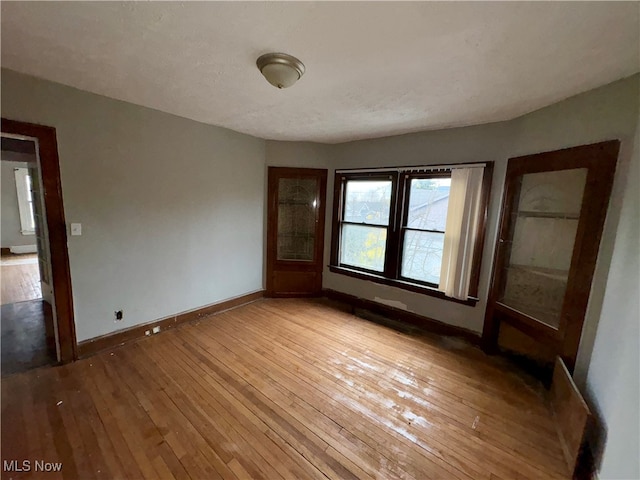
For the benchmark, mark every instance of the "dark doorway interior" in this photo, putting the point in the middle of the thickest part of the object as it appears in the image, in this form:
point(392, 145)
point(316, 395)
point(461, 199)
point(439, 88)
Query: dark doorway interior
point(27, 341)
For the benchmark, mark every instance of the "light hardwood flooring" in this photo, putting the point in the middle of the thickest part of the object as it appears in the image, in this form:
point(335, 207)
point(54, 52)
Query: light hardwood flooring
point(20, 278)
point(283, 388)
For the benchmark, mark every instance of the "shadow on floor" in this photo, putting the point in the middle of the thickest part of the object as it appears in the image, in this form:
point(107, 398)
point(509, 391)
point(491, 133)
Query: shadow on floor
point(27, 336)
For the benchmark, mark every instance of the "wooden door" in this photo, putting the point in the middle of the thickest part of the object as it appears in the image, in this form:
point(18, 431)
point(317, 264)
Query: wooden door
point(44, 264)
point(41, 233)
point(553, 212)
point(295, 231)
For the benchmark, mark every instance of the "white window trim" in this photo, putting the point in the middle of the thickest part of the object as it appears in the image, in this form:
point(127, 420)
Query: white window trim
point(26, 217)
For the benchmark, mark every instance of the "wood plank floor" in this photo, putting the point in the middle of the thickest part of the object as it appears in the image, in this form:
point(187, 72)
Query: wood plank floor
point(19, 279)
point(283, 388)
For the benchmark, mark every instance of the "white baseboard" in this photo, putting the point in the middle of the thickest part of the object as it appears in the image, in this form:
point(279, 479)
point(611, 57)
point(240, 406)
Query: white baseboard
point(24, 249)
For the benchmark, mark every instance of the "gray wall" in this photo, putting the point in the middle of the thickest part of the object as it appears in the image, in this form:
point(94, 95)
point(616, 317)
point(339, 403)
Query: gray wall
point(608, 367)
point(613, 379)
point(606, 113)
point(173, 217)
point(608, 371)
point(602, 114)
point(481, 143)
point(10, 227)
point(171, 209)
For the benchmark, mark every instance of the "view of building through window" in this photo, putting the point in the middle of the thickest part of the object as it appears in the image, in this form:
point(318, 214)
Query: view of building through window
point(424, 231)
point(365, 226)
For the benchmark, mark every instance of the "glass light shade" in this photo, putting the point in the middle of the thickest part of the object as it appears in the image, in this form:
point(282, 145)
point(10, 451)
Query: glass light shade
point(280, 69)
point(280, 75)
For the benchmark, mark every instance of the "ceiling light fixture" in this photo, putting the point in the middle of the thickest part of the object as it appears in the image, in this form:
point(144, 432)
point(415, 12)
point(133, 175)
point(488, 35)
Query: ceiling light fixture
point(280, 70)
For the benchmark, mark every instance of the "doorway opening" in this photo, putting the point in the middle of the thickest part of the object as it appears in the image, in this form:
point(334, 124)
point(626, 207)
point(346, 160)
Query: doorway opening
point(36, 307)
point(26, 297)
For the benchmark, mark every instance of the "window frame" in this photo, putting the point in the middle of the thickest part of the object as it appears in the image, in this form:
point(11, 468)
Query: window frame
point(373, 176)
point(26, 208)
point(405, 180)
point(398, 217)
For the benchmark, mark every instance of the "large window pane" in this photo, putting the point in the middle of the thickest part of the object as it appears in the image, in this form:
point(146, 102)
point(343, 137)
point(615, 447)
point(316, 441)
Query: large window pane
point(428, 201)
point(363, 246)
point(422, 256)
point(368, 201)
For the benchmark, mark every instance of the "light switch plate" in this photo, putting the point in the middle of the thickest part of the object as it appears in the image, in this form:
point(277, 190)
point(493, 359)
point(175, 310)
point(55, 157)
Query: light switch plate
point(76, 229)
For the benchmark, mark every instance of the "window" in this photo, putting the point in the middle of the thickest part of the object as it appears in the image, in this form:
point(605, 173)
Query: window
point(365, 223)
point(25, 201)
point(423, 229)
point(398, 227)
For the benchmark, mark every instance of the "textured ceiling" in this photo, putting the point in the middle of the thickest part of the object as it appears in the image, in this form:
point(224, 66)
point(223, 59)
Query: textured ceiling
point(373, 69)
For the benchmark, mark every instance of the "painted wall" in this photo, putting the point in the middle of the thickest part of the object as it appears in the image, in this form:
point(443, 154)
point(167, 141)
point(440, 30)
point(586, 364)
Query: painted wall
point(173, 215)
point(10, 227)
point(602, 114)
point(607, 362)
point(461, 145)
point(605, 113)
point(613, 378)
point(171, 209)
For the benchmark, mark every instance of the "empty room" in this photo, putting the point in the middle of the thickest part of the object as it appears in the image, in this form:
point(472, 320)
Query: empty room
point(323, 240)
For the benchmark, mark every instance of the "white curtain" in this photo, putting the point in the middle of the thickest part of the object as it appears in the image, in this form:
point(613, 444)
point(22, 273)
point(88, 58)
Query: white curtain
point(461, 230)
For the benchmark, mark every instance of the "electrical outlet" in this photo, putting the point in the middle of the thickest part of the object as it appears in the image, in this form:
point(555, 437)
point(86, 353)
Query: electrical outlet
point(156, 329)
point(147, 332)
point(119, 315)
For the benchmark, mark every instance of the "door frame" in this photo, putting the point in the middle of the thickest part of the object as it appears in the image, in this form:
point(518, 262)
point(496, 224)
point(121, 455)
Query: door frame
point(47, 148)
point(600, 159)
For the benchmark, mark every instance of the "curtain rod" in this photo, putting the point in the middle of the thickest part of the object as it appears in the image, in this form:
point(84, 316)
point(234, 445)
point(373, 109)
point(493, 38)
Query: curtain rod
point(422, 168)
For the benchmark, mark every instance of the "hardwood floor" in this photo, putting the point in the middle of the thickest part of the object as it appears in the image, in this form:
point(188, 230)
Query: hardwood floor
point(283, 388)
point(20, 278)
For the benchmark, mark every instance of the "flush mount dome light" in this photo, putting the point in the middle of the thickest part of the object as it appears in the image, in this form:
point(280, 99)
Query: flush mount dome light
point(280, 70)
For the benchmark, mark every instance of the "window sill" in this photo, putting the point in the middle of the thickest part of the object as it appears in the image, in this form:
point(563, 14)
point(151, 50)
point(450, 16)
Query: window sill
point(411, 287)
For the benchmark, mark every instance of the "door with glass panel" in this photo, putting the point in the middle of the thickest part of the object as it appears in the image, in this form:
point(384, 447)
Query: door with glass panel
point(295, 231)
point(553, 213)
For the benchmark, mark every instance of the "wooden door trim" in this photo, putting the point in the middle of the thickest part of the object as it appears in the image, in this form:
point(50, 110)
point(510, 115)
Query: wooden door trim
point(56, 225)
point(600, 160)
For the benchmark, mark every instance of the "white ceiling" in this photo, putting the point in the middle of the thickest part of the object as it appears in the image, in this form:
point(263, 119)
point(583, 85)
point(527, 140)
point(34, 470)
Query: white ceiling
point(373, 68)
